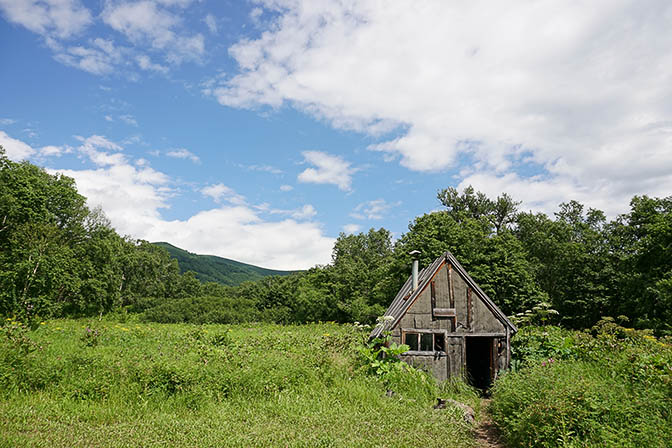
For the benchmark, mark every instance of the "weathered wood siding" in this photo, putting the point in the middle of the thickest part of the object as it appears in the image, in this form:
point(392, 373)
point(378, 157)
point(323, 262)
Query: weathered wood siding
point(471, 317)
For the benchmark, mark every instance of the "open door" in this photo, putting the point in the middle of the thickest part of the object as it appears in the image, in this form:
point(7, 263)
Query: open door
point(480, 356)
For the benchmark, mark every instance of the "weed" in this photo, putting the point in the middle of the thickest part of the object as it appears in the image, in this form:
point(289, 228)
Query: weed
point(90, 337)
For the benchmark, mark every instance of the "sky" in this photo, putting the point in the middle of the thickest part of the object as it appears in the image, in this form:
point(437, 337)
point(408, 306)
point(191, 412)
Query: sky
point(260, 130)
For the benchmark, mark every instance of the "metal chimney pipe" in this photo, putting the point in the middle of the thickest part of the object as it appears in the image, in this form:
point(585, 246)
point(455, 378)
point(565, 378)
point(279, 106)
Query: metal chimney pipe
point(416, 263)
point(415, 274)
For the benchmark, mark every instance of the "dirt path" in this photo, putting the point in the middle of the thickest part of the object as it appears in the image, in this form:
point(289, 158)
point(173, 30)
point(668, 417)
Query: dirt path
point(485, 432)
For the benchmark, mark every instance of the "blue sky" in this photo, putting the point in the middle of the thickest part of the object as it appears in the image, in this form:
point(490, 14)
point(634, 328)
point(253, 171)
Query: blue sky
point(260, 130)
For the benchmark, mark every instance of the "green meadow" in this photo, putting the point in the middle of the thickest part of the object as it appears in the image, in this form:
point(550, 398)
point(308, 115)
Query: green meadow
point(122, 383)
point(100, 383)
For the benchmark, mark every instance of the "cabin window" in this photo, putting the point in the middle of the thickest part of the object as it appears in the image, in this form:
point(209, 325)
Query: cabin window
point(439, 342)
point(411, 339)
point(425, 342)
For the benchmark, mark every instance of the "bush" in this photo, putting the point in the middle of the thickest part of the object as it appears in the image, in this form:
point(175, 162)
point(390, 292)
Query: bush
point(202, 310)
point(610, 386)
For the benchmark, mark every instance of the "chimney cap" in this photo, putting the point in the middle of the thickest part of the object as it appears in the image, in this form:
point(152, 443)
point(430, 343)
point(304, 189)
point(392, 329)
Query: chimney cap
point(414, 253)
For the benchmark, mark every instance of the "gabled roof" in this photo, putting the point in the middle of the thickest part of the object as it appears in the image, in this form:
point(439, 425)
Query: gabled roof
point(405, 297)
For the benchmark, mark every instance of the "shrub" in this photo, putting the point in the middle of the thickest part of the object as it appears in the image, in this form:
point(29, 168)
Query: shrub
point(610, 386)
point(202, 310)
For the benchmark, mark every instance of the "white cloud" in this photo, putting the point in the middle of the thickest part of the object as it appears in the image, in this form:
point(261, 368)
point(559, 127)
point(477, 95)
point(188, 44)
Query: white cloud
point(140, 20)
point(239, 233)
point(129, 119)
point(211, 23)
point(133, 195)
point(255, 14)
point(219, 192)
point(58, 18)
point(286, 188)
point(149, 25)
point(15, 149)
point(7, 121)
point(351, 228)
point(91, 148)
point(329, 169)
point(145, 63)
point(53, 151)
point(99, 57)
point(264, 168)
point(305, 212)
point(29, 132)
point(578, 89)
point(182, 153)
point(375, 209)
point(146, 22)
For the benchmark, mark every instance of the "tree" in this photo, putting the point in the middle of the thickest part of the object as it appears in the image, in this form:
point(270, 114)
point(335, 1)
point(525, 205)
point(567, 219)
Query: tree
point(42, 221)
point(571, 261)
point(641, 244)
point(497, 261)
point(59, 258)
point(499, 213)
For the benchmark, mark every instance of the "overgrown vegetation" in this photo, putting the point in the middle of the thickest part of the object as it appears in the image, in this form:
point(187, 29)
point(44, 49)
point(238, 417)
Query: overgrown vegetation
point(107, 383)
point(608, 386)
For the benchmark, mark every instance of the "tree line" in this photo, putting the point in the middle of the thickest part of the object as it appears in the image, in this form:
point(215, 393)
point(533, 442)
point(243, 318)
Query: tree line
point(58, 258)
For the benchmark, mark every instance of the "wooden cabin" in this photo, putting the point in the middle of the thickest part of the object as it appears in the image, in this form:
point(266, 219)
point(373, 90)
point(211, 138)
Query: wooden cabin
point(450, 324)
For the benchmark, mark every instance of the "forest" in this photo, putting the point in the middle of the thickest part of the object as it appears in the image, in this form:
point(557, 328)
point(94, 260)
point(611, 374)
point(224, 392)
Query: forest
point(58, 258)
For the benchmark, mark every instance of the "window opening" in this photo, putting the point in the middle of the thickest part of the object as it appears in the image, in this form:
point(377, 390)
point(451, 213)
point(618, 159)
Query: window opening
point(425, 342)
point(439, 343)
point(411, 339)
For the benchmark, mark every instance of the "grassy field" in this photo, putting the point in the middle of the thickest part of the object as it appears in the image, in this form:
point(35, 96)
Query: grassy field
point(87, 383)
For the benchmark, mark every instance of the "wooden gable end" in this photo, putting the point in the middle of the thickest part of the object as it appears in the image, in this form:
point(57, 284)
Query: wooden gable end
point(448, 303)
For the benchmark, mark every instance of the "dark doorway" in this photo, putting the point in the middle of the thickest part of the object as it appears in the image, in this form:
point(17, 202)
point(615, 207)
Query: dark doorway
point(479, 361)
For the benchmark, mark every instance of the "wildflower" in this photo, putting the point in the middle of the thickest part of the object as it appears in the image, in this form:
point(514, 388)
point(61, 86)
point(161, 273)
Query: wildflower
point(43, 323)
point(326, 335)
point(543, 363)
point(383, 320)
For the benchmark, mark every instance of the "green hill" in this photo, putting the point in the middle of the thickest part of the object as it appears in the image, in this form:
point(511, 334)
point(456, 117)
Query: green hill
point(210, 268)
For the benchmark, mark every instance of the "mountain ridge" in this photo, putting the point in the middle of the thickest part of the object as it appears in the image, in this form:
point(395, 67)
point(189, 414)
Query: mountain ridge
point(211, 268)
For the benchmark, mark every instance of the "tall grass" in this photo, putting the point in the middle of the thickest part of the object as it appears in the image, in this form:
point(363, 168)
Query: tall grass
point(611, 388)
point(112, 384)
